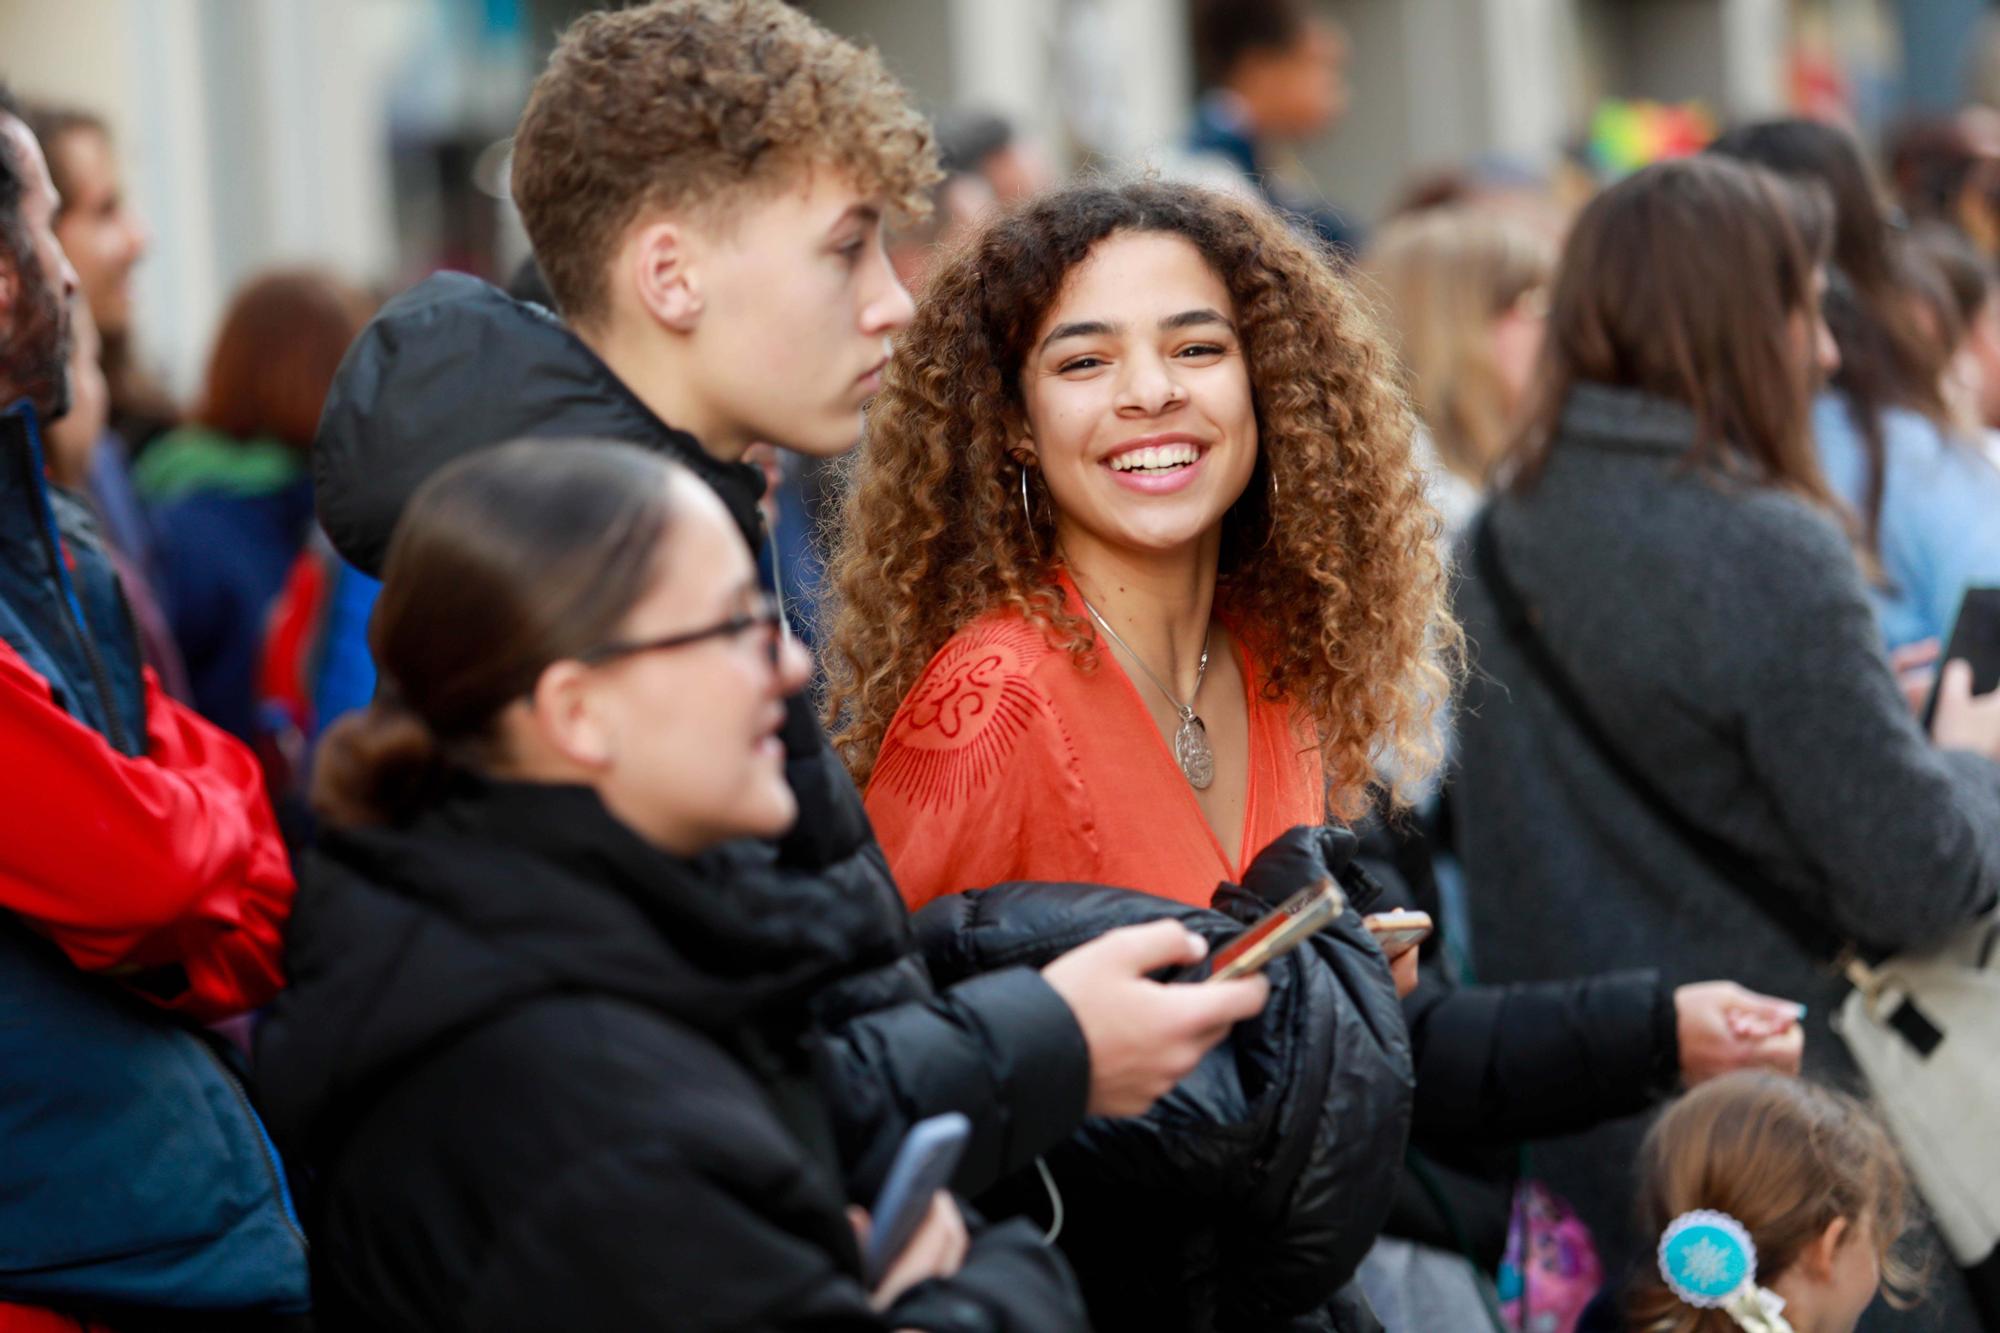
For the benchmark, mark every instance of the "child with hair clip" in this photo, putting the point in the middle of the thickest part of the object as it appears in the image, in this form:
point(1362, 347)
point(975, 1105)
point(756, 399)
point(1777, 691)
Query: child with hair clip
point(1777, 1203)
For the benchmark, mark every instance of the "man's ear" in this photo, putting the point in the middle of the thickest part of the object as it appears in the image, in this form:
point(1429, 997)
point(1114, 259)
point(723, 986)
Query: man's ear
point(10, 289)
point(665, 274)
point(566, 714)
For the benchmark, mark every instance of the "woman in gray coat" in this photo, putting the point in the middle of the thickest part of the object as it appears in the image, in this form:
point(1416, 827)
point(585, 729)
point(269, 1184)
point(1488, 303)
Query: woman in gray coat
point(1673, 550)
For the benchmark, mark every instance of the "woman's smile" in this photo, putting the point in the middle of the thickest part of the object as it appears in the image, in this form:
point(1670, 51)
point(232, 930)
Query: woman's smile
point(1157, 464)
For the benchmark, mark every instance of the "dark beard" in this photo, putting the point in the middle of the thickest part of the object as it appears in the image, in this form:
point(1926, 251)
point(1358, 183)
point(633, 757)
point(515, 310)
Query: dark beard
point(34, 364)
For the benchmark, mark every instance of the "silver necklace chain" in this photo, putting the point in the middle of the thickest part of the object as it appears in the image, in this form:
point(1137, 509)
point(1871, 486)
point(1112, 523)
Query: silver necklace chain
point(1191, 750)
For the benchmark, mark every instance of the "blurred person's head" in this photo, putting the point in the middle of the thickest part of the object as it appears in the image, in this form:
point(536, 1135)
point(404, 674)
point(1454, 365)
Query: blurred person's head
point(580, 613)
point(36, 280)
point(986, 144)
point(719, 239)
point(99, 232)
point(1946, 169)
point(960, 201)
point(1809, 1174)
point(1881, 339)
point(1156, 376)
point(1970, 287)
point(1526, 194)
point(1698, 281)
point(73, 440)
point(1286, 63)
point(1888, 356)
point(1466, 294)
point(274, 357)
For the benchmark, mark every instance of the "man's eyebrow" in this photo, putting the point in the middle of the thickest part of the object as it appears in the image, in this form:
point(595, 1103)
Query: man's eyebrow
point(1082, 328)
point(867, 214)
point(1189, 318)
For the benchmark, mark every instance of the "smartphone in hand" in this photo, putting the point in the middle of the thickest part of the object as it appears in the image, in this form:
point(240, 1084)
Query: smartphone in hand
point(924, 1162)
point(1302, 915)
point(1399, 931)
point(1975, 638)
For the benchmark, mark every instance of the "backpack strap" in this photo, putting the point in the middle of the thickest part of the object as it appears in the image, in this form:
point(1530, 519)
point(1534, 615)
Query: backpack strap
point(1521, 623)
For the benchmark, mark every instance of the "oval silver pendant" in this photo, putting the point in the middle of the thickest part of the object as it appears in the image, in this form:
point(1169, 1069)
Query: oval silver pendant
point(1191, 752)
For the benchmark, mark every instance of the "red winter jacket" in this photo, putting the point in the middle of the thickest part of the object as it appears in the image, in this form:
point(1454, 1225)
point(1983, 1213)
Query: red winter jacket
point(134, 864)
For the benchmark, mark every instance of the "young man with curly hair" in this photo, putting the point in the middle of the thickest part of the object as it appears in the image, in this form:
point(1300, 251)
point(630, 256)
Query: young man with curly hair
point(706, 184)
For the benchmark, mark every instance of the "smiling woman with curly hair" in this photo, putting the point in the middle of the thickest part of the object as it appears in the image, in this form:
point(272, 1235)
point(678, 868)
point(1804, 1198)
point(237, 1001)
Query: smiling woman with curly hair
point(1145, 422)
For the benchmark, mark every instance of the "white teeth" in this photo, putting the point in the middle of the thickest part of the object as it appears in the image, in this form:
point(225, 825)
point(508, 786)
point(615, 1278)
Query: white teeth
point(1156, 458)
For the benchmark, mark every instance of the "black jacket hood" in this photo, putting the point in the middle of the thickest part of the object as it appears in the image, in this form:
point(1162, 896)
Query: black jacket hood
point(453, 365)
point(406, 938)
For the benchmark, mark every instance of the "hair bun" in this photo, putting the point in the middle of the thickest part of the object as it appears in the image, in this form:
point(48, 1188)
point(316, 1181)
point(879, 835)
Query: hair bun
point(376, 766)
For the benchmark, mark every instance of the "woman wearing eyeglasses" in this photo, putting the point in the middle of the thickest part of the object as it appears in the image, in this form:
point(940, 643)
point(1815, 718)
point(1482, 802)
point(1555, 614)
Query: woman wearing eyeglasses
point(552, 1066)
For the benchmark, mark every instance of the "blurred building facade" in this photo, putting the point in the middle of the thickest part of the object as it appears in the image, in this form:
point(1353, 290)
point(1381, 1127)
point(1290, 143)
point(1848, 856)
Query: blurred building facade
point(369, 134)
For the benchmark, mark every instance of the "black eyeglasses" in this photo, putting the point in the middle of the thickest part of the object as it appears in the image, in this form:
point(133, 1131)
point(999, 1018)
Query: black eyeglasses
point(766, 616)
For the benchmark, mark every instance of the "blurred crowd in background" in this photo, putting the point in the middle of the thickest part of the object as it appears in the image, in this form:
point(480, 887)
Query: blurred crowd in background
point(242, 188)
point(228, 172)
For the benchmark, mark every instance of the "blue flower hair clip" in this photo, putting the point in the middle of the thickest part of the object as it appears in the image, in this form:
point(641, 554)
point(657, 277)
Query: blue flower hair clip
point(1709, 1261)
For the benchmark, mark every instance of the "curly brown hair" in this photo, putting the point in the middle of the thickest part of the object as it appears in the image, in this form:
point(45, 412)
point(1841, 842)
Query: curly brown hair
point(698, 105)
point(1330, 560)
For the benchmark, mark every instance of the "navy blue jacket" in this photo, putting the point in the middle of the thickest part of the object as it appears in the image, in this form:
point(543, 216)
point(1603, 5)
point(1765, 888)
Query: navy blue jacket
point(135, 1175)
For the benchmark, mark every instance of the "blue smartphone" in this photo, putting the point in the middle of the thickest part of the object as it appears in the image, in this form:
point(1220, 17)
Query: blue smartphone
point(923, 1165)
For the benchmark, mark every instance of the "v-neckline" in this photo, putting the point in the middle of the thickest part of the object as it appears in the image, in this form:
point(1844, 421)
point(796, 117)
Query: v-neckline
point(1164, 753)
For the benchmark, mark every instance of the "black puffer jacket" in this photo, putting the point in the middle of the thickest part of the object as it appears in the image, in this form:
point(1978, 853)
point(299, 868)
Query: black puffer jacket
point(455, 365)
point(1249, 1193)
point(548, 1076)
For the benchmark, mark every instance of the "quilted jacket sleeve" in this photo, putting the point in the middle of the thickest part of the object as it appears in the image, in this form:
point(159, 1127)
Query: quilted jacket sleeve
point(167, 869)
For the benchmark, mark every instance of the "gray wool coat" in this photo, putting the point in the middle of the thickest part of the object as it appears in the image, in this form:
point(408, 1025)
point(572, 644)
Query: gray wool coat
point(1721, 632)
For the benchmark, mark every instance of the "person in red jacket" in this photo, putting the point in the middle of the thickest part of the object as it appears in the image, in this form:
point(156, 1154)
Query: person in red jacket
point(135, 863)
point(143, 889)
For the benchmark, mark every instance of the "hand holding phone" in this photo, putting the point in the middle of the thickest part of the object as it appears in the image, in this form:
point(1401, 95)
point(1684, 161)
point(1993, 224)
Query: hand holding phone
point(1143, 1036)
point(1961, 714)
point(923, 1166)
point(1399, 931)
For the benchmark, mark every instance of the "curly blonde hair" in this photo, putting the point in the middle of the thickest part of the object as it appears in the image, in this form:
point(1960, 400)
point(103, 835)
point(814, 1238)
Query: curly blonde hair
point(1330, 560)
point(699, 105)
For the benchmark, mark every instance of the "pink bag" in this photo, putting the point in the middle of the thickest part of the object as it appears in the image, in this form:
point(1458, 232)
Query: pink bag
point(1551, 1270)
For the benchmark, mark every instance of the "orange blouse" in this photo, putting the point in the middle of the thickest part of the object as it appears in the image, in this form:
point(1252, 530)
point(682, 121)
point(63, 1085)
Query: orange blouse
point(1008, 762)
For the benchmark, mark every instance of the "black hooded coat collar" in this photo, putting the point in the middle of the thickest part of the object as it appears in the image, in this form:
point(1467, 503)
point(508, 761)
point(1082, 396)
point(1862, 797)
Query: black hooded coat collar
point(506, 892)
point(454, 365)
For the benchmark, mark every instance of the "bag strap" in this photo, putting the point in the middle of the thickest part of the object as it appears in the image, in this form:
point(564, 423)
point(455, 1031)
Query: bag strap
point(1522, 625)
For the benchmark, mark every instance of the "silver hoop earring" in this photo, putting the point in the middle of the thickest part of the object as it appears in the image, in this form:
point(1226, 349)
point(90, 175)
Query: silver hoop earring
point(1027, 513)
point(1271, 511)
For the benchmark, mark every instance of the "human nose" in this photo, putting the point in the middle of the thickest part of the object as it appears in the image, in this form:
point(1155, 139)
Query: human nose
point(791, 662)
point(1149, 387)
point(888, 306)
point(1827, 349)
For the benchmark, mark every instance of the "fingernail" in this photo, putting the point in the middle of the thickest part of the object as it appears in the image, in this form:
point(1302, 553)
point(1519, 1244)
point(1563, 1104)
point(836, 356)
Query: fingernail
point(1200, 946)
point(1803, 1011)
